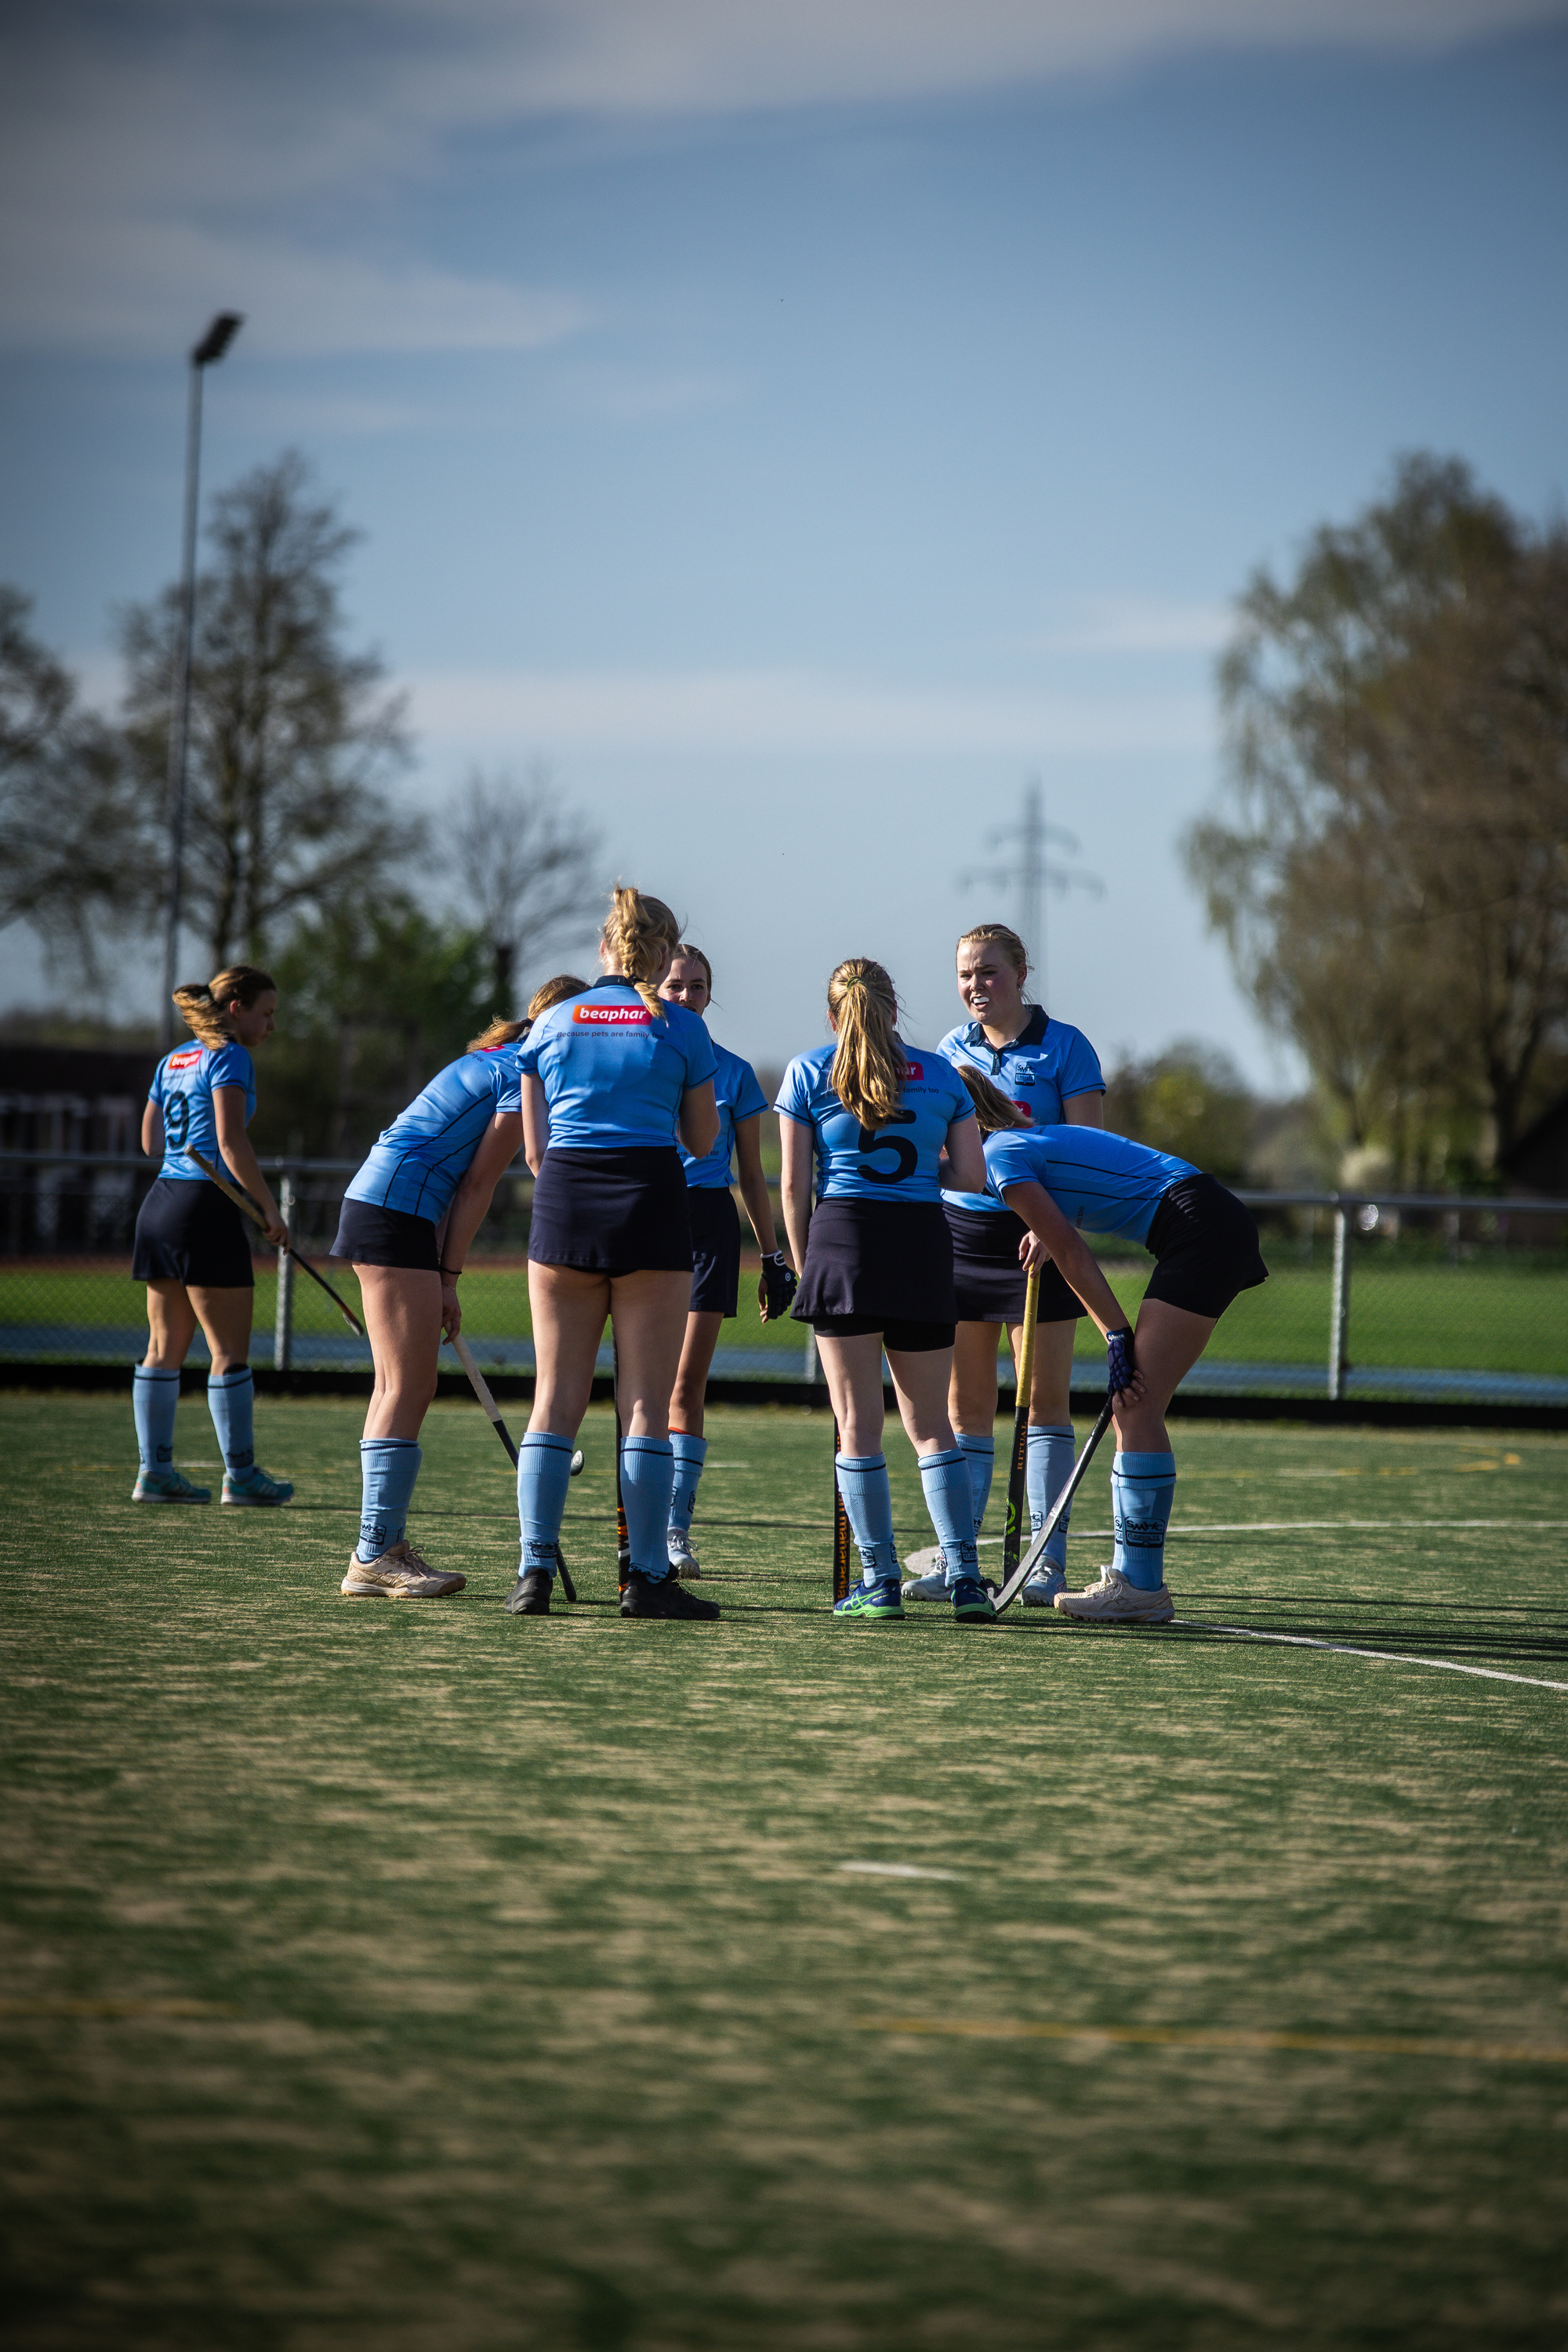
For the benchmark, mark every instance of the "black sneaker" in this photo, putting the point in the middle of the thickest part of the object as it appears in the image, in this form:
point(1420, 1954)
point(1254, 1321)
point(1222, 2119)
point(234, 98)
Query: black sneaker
point(530, 1596)
point(664, 1596)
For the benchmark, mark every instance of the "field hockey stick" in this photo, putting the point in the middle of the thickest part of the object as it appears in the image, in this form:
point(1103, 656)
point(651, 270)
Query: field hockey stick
point(1018, 1467)
point(242, 1202)
point(840, 1529)
point(1031, 1560)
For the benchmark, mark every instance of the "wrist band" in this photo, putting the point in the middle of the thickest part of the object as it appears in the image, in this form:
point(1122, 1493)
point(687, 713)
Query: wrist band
point(452, 1270)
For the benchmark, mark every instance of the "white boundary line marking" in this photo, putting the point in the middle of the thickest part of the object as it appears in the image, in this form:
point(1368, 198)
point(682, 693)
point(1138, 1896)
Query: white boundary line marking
point(1345, 1650)
point(895, 1870)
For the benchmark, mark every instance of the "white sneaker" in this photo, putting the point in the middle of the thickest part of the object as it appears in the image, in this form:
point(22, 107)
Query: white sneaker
point(1113, 1601)
point(1044, 1586)
point(931, 1586)
point(682, 1559)
point(400, 1574)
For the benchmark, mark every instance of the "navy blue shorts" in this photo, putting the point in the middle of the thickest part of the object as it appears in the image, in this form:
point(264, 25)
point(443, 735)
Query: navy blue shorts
point(988, 1282)
point(1207, 1247)
point(612, 1212)
point(369, 1234)
point(880, 1263)
point(715, 1249)
point(191, 1232)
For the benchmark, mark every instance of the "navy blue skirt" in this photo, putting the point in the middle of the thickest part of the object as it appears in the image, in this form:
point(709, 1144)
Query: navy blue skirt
point(715, 1250)
point(1207, 1247)
point(190, 1233)
point(612, 1212)
point(988, 1282)
point(369, 1234)
point(891, 1260)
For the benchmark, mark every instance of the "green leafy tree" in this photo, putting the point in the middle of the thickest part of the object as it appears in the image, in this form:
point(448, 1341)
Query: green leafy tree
point(373, 1000)
point(1192, 1100)
point(1390, 868)
point(292, 737)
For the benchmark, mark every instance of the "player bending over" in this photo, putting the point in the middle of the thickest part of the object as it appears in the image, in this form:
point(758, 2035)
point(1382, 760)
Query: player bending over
point(408, 1217)
point(1064, 1181)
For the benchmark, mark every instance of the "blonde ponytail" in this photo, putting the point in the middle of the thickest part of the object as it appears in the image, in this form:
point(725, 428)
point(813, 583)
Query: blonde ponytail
point(641, 935)
point(868, 1072)
point(201, 1003)
point(993, 1110)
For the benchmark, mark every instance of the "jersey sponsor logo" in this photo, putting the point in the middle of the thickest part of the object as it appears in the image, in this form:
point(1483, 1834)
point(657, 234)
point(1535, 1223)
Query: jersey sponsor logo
point(1027, 1108)
point(915, 1070)
point(189, 1060)
point(612, 1016)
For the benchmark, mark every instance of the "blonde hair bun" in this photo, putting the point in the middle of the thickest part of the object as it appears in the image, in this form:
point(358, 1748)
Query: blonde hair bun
point(641, 935)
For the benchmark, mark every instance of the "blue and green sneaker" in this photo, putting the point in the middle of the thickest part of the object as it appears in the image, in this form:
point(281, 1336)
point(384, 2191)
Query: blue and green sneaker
point(883, 1597)
point(972, 1604)
point(253, 1488)
point(168, 1486)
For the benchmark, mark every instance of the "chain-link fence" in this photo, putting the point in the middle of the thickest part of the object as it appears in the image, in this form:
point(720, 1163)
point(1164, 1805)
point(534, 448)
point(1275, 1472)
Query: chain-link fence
point(1412, 1296)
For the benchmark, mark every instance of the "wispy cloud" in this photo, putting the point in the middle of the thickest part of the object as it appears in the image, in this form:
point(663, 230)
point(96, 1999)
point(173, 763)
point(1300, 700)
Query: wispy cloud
point(768, 712)
point(1129, 624)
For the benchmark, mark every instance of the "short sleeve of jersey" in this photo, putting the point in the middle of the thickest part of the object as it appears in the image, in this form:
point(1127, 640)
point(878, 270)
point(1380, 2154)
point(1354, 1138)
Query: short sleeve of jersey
point(796, 1091)
point(507, 1082)
point(1008, 1159)
point(750, 1100)
point(1078, 1071)
point(231, 1065)
point(702, 1061)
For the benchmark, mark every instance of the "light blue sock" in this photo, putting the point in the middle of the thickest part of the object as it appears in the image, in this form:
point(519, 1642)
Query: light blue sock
point(1049, 1463)
point(543, 1473)
point(231, 1401)
point(387, 1469)
point(690, 1453)
point(648, 1480)
point(950, 1500)
point(979, 1452)
point(153, 1396)
point(868, 1500)
point(1142, 1488)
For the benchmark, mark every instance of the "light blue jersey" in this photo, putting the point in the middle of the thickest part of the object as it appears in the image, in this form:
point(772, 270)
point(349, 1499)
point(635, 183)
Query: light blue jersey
point(1045, 1066)
point(739, 1097)
point(1102, 1183)
point(897, 1162)
point(613, 1076)
point(418, 1163)
point(182, 1087)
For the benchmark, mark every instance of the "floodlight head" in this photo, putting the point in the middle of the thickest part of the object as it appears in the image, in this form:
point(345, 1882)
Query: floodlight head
point(217, 339)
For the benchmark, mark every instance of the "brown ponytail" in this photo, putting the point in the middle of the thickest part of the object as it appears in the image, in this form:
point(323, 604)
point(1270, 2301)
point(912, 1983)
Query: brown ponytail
point(201, 1003)
point(868, 1072)
point(641, 935)
point(993, 1111)
point(548, 992)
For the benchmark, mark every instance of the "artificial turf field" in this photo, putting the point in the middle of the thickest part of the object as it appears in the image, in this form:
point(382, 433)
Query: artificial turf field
point(416, 1977)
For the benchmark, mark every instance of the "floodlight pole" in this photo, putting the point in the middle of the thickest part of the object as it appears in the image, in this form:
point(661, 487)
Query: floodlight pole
point(212, 345)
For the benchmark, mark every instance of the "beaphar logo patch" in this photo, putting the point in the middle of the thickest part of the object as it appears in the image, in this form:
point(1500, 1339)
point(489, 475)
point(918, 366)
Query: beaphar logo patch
point(189, 1060)
point(612, 1016)
point(915, 1071)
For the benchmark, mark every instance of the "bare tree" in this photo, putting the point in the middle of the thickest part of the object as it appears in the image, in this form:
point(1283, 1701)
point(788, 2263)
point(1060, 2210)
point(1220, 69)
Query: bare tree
point(291, 735)
point(76, 853)
point(528, 869)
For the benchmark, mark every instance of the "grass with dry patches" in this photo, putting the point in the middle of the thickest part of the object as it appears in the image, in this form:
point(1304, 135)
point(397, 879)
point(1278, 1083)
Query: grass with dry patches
point(406, 1977)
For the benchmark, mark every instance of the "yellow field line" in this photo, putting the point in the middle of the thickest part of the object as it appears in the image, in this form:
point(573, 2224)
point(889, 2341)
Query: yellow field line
point(1177, 2037)
point(118, 2009)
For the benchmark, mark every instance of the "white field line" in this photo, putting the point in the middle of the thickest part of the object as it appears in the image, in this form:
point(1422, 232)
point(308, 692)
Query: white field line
point(1345, 1650)
point(895, 1870)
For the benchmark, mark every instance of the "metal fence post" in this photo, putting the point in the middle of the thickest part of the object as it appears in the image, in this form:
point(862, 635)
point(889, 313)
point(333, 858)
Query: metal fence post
point(283, 1330)
point(1340, 1311)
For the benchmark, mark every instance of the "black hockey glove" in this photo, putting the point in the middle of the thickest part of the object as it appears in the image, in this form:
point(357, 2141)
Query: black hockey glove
point(1117, 1361)
point(780, 1283)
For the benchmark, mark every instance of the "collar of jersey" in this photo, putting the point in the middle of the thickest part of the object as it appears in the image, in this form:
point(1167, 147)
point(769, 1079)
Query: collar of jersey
point(613, 980)
point(1033, 1033)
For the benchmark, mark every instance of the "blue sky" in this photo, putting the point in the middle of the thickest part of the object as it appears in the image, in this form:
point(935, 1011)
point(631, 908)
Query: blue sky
point(795, 427)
